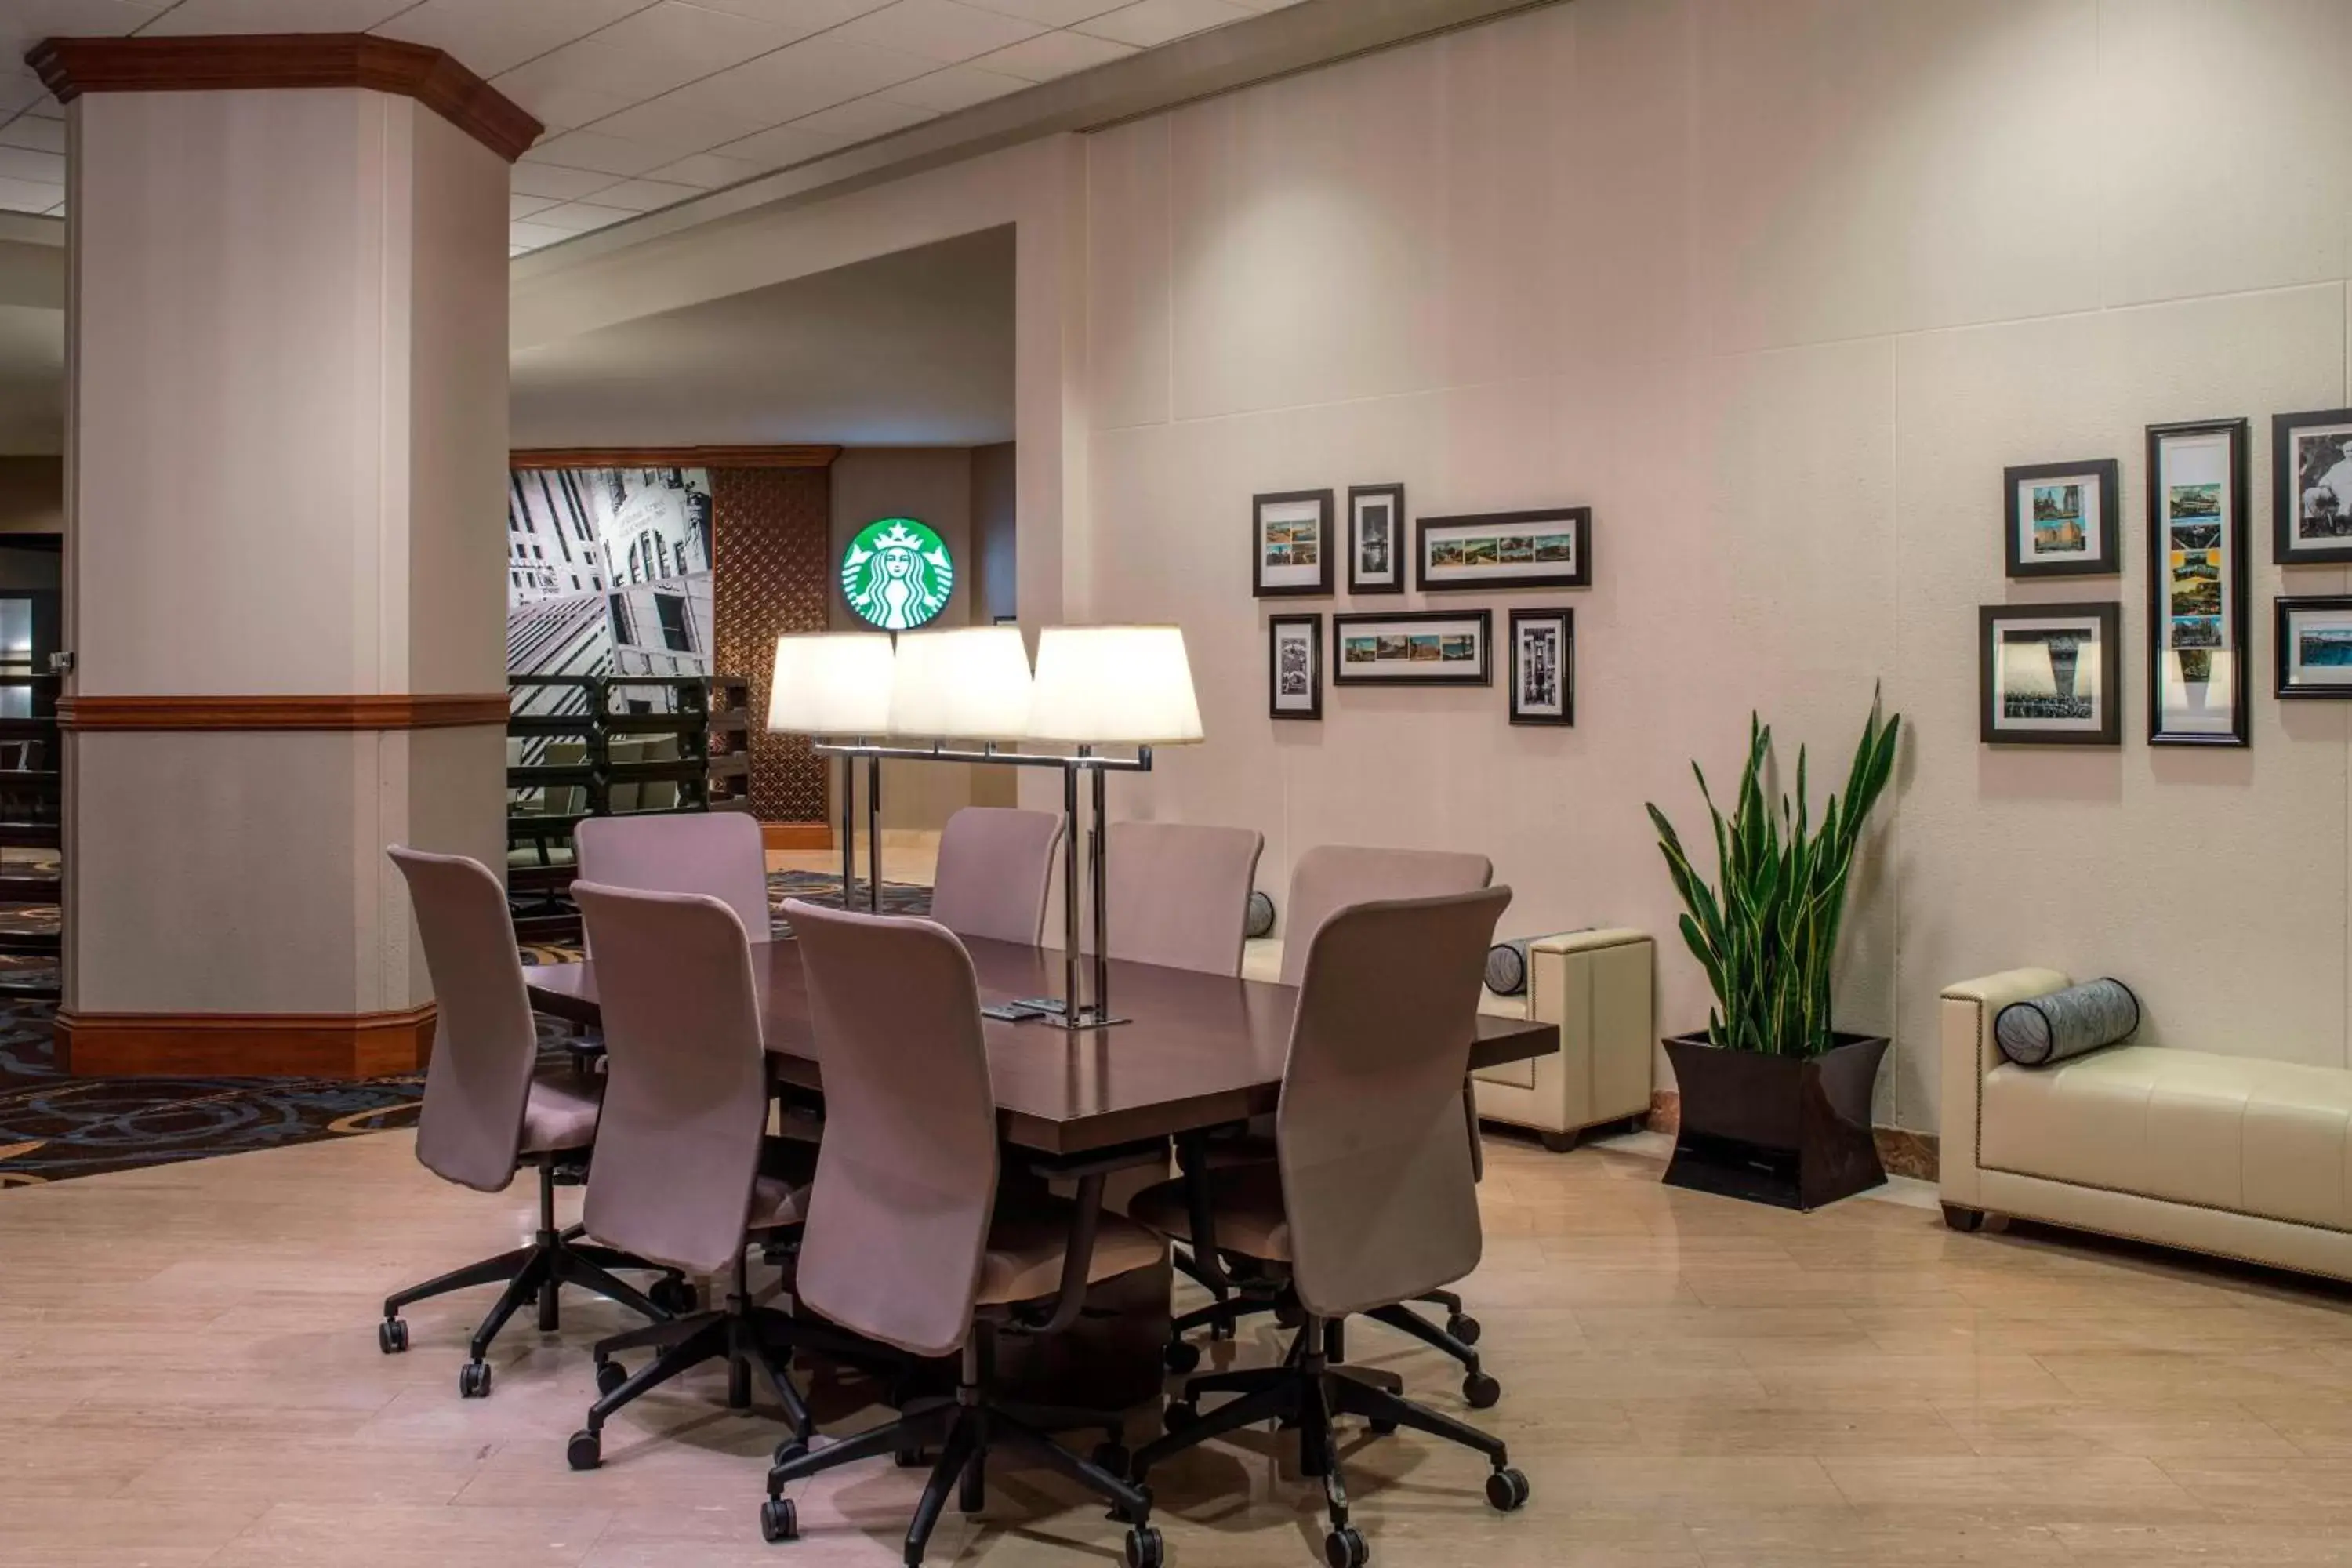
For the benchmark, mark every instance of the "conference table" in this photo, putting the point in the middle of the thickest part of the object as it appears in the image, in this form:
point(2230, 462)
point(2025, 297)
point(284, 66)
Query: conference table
point(1197, 1051)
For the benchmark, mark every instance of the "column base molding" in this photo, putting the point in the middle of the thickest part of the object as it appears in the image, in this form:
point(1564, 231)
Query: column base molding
point(796, 834)
point(245, 1045)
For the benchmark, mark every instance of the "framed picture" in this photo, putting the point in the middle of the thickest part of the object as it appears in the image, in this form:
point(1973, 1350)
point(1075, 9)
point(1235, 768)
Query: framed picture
point(2196, 680)
point(2062, 520)
point(2311, 488)
point(1507, 549)
point(2313, 644)
point(2050, 675)
point(1543, 667)
point(1415, 648)
point(1290, 540)
point(1376, 539)
point(1294, 667)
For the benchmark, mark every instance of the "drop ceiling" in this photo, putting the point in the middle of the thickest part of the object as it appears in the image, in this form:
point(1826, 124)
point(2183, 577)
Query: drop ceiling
point(646, 103)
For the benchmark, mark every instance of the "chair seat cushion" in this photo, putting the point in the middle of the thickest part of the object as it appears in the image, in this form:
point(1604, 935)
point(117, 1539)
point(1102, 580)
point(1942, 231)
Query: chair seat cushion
point(561, 1113)
point(1026, 1245)
point(1248, 1203)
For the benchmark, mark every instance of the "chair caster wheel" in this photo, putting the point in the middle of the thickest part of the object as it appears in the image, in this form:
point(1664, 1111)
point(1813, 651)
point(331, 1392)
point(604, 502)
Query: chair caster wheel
point(1344, 1548)
point(1507, 1491)
point(1465, 1328)
point(585, 1451)
point(674, 1296)
point(1145, 1549)
point(1480, 1391)
point(909, 1458)
point(1179, 1414)
point(1182, 1355)
point(788, 1450)
point(1114, 1458)
point(1381, 1428)
point(779, 1520)
point(474, 1380)
point(392, 1336)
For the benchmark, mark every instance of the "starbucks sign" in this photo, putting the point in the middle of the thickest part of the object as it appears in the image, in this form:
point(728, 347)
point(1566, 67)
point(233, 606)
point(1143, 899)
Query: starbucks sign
point(897, 573)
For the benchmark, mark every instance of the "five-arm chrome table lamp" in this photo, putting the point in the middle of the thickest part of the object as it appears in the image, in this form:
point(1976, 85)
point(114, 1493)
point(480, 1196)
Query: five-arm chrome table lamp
point(964, 696)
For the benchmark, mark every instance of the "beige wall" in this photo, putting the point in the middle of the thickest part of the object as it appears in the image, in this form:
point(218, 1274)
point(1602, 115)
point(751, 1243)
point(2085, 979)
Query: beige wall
point(1777, 287)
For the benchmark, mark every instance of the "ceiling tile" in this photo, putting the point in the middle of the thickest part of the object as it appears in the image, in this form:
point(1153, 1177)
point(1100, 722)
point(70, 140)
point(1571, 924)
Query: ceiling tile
point(43, 135)
point(1051, 55)
point(862, 120)
point(523, 206)
point(809, 76)
point(708, 171)
point(802, 18)
point(492, 36)
point(1149, 23)
point(938, 30)
point(707, 40)
point(25, 163)
point(30, 196)
point(1050, 12)
point(21, 91)
point(604, 154)
point(274, 16)
point(24, 23)
point(958, 87)
point(578, 217)
point(533, 178)
point(531, 237)
point(677, 123)
point(564, 94)
point(785, 144)
point(591, 67)
point(646, 195)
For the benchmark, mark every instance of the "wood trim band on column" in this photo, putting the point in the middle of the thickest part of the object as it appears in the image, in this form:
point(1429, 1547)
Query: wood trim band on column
point(71, 67)
point(796, 834)
point(245, 1045)
point(390, 710)
point(811, 456)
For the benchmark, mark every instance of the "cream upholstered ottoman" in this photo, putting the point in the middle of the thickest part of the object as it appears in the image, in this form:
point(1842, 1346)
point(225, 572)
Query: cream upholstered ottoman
point(2236, 1156)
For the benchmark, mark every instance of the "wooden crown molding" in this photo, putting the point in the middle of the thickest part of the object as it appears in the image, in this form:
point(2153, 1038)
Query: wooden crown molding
point(245, 1045)
point(71, 67)
point(405, 710)
point(806, 457)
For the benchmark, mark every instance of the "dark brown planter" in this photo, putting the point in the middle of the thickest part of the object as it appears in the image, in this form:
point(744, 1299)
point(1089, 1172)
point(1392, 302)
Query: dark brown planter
point(1788, 1131)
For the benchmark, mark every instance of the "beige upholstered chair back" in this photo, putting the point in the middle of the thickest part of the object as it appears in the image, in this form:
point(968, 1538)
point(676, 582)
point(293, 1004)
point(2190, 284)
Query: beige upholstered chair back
point(1377, 1178)
point(686, 1092)
point(715, 853)
point(905, 1178)
point(1178, 893)
point(1330, 877)
point(485, 1045)
point(995, 866)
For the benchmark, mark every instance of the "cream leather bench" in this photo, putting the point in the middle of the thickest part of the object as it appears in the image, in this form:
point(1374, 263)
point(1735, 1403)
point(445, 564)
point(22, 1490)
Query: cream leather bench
point(2230, 1156)
point(1597, 986)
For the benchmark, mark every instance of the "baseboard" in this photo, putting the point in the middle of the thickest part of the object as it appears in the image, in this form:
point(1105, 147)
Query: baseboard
point(1903, 1151)
point(243, 1045)
point(797, 834)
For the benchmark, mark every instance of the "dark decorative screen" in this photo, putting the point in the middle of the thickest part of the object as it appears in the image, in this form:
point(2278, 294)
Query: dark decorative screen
point(772, 529)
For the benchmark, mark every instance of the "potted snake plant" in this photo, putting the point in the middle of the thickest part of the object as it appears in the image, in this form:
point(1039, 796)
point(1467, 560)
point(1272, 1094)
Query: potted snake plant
point(1775, 1100)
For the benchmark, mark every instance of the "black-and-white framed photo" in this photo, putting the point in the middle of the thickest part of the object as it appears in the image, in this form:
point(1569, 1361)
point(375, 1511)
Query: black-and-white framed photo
point(1413, 648)
point(2311, 488)
point(1294, 664)
point(1290, 541)
point(2314, 645)
point(2050, 675)
point(2197, 680)
point(1543, 667)
point(1549, 548)
point(2060, 519)
point(1376, 539)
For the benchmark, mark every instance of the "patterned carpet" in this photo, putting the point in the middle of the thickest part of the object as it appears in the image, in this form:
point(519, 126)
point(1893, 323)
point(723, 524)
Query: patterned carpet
point(53, 1126)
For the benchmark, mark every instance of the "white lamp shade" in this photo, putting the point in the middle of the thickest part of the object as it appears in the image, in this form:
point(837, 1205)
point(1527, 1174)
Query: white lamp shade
point(831, 683)
point(973, 683)
point(1114, 685)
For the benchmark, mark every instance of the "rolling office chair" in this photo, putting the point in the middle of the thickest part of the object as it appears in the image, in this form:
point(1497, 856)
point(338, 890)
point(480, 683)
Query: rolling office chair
point(487, 1112)
point(910, 1240)
point(719, 854)
point(678, 1175)
point(1370, 1200)
point(995, 867)
point(1177, 893)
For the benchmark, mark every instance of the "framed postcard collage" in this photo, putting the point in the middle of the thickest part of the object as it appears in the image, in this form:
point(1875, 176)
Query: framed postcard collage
point(1294, 536)
point(2054, 673)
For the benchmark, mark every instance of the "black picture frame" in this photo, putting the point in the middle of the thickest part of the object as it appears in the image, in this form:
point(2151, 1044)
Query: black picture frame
point(1430, 533)
point(1313, 626)
point(2105, 560)
point(1477, 671)
point(1358, 497)
point(1521, 712)
point(2196, 532)
point(1293, 582)
point(2288, 520)
point(1996, 729)
point(2284, 611)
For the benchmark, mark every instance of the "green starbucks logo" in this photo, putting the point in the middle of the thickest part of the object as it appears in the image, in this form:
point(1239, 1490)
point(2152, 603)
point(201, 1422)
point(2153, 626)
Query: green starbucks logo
point(897, 573)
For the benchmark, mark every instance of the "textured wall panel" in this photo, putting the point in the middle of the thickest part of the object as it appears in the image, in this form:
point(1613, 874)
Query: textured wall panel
point(769, 543)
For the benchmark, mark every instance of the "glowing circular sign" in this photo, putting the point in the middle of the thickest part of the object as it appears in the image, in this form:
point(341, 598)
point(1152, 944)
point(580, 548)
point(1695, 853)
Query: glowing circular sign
point(897, 573)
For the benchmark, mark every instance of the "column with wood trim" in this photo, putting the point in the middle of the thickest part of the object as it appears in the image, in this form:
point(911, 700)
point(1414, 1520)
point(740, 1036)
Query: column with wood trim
point(286, 456)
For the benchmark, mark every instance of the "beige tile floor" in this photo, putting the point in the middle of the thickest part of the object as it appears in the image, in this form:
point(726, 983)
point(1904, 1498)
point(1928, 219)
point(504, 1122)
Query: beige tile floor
point(188, 1375)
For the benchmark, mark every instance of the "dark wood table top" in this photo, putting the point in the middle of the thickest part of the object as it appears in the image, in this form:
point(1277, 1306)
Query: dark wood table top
point(1199, 1050)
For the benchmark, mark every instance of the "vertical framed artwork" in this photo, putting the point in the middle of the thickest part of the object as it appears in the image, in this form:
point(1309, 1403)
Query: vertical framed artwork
point(1293, 666)
point(2060, 519)
point(1552, 549)
point(2314, 646)
point(1413, 648)
point(2311, 488)
point(2050, 675)
point(1290, 543)
point(1543, 667)
point(2197, 678)
point(1376, 539)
